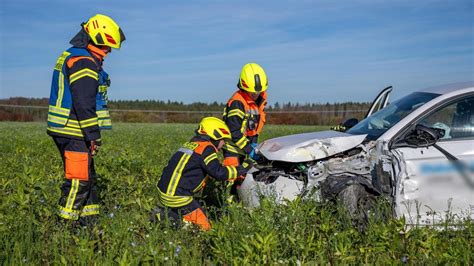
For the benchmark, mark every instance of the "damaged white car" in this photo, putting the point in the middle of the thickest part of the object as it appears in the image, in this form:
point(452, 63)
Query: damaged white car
point(417, 152)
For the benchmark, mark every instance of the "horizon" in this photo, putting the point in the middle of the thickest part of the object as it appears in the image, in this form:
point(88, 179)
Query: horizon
point(198, 102)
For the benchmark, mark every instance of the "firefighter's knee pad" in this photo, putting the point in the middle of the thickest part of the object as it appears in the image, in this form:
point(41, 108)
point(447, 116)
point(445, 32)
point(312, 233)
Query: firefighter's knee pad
point(199, 218)
point(231, 161)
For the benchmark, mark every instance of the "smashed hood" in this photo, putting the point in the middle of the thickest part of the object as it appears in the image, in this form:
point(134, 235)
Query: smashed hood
point(309, 146)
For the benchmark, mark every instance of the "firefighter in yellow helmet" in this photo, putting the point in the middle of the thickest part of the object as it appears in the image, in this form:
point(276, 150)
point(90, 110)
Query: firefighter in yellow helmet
point(244, 114)
point(187, 171)
point(78, 112)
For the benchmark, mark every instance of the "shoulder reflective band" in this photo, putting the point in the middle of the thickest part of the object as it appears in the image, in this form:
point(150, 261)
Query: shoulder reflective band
point(232, 149)
point(186, 150)
point(242, 142)
point(232, 172)
point(86, 72)
point(209, 158)
point(177, 174)
point(236, 112)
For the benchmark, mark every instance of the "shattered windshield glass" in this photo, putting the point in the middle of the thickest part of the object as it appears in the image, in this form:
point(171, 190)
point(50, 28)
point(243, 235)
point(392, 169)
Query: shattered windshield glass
point(378, 123)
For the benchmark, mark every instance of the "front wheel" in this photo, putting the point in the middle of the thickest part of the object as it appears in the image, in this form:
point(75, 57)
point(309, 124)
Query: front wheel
point(363, 206)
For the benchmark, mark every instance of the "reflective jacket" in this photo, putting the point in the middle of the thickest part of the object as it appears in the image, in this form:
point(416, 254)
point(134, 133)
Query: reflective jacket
point(78, 99)
point(245, 118)
point(187, 170)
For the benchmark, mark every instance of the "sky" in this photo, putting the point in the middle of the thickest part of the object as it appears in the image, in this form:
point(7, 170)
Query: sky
point(312, 51)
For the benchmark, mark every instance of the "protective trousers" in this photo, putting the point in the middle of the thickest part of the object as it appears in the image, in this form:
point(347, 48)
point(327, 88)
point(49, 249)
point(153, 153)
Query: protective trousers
point(191, 213)
point(78, 192)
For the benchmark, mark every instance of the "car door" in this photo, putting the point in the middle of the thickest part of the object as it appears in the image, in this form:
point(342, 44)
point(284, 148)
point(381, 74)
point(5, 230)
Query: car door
point(380, 102)
point(439, 181)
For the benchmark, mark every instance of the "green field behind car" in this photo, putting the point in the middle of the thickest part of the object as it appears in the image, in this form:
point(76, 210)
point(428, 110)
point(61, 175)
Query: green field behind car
point(129, 165)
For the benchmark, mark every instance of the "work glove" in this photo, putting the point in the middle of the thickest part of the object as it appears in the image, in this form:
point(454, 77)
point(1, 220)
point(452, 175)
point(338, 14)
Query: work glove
point(95, 146)
point(340, 128)
point(248, 164)
point(254, 153)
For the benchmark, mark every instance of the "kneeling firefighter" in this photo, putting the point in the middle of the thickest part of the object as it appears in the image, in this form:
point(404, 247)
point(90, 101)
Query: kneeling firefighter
point(244, 114)
point(78, 112)
point(187, 171)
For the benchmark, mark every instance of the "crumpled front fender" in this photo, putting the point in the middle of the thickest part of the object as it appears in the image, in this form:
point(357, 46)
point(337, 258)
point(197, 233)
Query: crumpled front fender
point(280, 189)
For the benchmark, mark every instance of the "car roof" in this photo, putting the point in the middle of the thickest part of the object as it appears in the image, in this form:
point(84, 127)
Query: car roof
point(443, 89)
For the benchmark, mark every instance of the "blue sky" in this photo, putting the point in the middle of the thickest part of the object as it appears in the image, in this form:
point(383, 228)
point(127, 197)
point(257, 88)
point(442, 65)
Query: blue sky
point(312, 51)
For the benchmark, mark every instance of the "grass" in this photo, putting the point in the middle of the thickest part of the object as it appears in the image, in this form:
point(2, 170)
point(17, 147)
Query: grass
point(130, 163)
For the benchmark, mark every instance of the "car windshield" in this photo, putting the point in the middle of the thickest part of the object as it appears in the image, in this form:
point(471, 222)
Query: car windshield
point(378, 123)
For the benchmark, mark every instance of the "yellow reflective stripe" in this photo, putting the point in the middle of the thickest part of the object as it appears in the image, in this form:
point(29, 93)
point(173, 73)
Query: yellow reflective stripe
point(72, 194)
point(242, 142)
point(60, 89)
point(86, 72)
point(231, 148)
point(232, 172)
point(88, 122)
point(68, 213)
point(61, 59)
point(66, 131)
point(177, 174)
point(199, 187)
point(83, 72)
point(58, 110)
point(57, 119)
point(103, 88)
point(209, 158)
point(103, 113)
point(73, 124)
point(174, 201)
point(92, 209)
point(236, 112)
point(244, 123)
point(105, 122)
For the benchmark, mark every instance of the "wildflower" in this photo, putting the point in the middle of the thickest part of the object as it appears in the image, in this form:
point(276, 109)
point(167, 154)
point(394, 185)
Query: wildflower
point(177, 251)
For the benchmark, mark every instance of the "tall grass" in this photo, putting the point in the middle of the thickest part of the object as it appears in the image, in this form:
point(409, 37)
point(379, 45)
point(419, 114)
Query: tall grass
point(299, 232)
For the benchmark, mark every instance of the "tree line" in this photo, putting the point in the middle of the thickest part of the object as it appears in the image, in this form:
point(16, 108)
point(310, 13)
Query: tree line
point(158, 111)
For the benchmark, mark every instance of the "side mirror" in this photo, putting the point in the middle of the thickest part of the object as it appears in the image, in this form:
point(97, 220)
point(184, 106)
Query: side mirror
point(423, 136)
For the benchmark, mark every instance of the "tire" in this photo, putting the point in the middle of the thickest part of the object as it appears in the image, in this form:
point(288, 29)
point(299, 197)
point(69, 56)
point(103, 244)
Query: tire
point(359, 203)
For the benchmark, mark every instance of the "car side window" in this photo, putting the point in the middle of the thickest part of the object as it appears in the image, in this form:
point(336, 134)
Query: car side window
point(456, 119)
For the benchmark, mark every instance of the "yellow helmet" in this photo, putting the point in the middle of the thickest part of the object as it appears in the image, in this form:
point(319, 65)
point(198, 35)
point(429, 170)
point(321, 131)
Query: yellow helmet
point(213, 127)
point(104, 31)
point(253, 78)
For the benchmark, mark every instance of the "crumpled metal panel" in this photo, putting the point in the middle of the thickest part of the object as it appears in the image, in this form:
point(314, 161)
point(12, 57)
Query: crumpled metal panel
point(280, 190)
point(309, 146)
